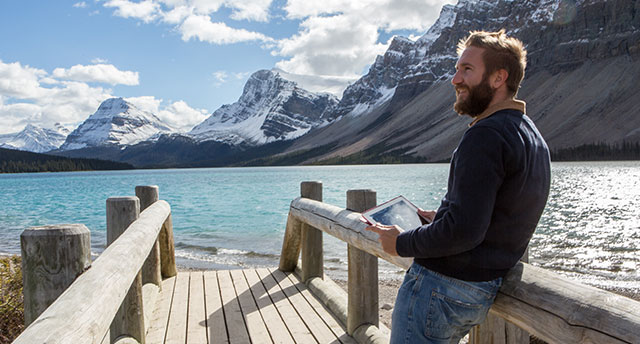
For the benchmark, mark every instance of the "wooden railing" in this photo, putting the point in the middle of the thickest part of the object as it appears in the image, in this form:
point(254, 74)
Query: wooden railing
point(112, 300)
point(540, 302)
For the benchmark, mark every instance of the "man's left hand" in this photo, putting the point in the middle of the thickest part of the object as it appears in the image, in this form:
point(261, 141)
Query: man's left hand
point(388, 236)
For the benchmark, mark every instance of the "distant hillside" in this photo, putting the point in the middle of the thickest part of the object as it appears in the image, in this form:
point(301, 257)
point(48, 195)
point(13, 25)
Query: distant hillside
point(15, 161)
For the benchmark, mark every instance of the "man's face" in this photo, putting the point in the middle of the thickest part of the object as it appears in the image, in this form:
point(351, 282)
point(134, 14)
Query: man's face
point(473, 91)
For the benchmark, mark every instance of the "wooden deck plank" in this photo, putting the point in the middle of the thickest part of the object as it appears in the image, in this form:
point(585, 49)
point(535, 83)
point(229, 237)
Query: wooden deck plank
point(217, 330)
point(276, 327)
point(314, 322)
point(236, 326)
point(196, 321)
point(255, 325)
point(177, 327)
point(160, 319)
point(296, 326)
point(334, 324)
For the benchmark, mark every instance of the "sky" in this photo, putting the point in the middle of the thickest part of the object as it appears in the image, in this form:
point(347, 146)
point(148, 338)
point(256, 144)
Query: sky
point(183, 59)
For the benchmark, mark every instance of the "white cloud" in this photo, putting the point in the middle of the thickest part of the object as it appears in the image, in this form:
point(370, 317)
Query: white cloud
point(146, 10)
point(339, 38)
point(26, 99)
point(257, 10)
point(332, 46)
point(221, 77)
point(178, 115)
point(202, 28)
point(98, 73)
point(80, 4)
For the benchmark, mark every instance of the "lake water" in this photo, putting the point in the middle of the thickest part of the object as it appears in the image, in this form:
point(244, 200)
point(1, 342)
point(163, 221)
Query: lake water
point(235, 217)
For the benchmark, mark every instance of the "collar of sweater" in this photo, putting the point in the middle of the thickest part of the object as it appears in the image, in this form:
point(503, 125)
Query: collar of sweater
point(509, 104)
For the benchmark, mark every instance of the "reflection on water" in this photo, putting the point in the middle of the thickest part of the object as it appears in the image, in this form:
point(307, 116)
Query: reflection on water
point(590, 229)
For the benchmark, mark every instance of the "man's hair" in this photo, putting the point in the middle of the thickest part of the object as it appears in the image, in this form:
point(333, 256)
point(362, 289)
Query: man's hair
point(501, 52)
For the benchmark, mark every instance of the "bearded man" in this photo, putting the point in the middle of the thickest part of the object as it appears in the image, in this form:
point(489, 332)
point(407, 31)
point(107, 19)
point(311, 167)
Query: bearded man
point(498, 187)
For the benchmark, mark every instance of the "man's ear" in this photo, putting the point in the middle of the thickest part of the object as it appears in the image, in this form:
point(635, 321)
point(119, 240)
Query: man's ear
point(499, 78)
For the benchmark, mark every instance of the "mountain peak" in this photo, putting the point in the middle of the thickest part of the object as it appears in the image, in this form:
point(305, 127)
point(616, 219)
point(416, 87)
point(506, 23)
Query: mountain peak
point(271, 108)
point(115, 123)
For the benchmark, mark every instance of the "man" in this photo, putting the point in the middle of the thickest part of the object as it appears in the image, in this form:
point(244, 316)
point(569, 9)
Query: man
point(497, 189)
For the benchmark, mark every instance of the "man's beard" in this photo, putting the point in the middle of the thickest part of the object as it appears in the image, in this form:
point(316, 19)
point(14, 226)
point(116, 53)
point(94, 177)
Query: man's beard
point(478, 99)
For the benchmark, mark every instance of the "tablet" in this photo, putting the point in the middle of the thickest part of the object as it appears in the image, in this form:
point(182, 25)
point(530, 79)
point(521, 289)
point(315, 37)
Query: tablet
point(398, 211)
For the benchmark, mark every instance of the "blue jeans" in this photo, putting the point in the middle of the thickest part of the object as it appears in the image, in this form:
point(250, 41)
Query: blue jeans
point(434, 308)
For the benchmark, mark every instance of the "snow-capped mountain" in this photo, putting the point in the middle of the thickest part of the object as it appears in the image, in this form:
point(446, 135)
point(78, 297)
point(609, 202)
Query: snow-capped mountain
point(115, 123)
point(35, 139)
point(270, 108)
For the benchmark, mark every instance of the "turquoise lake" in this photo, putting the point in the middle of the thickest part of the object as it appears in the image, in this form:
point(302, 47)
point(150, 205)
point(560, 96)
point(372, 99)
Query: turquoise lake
point(235, 217)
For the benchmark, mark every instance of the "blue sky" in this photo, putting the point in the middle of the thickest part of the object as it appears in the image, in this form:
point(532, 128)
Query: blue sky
point(183, 59)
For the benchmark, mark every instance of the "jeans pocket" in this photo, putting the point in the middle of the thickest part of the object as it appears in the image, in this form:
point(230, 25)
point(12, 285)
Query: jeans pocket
point(448, 317)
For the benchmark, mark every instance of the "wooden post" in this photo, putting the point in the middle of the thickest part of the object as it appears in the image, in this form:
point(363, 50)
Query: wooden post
point(52, 258)
point(496, 330)
point(311, 238)
point(362, 307)
point(151, 272)
point(167, 249)
point(129, 320)
point(290, 245)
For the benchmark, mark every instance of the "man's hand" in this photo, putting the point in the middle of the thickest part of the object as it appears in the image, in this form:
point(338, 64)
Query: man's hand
point(427, 215)
point(388, 236)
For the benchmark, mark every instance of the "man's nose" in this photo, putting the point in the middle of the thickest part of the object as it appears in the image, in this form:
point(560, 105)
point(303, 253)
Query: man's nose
point(457, 79)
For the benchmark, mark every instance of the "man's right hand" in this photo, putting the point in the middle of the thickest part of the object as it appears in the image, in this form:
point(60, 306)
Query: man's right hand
point(427, 215)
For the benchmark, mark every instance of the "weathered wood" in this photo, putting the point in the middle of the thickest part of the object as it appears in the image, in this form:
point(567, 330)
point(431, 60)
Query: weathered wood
point(332, 296)
point(255, 325)
point(291, 244)
point(344, 225)
point(82, 314)
point(362, 282)
point(216, 328)
point(52, 258)
point(129, 320)
point(177, 326)
point(151, 272)
point(276, 327)
point(320, 331)
point(160, 319)
point(167, 249)
point(322, 310)
point(298, 330)
point(311, 238)
point(196, 326)
point(497, 330)
point(233, 314)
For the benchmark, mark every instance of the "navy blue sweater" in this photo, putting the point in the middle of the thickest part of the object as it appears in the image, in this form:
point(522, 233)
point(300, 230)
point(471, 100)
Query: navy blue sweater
point(498, 187)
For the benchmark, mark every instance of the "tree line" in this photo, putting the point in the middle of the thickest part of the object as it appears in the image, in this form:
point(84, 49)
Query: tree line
point(15, 161)
point(598, 152)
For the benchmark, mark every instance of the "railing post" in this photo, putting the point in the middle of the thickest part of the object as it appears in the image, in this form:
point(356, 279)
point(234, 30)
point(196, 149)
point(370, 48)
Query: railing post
point(129, 320)
point(167, 249)
point(311, 238)
point(151, 272)
point(52, 258)
point(497, 330)
point(290, 245)
point(362, 307)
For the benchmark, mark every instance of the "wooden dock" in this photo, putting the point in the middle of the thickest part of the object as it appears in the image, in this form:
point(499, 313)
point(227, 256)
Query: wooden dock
point(241, 306)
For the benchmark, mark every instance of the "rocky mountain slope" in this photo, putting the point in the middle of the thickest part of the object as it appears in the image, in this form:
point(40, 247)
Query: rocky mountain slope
point(116, 123)
point(579, 84)
point(270, 109)
point(35, 139)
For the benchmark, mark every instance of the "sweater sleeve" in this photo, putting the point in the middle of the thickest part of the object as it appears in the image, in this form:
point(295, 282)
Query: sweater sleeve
point(465, 215)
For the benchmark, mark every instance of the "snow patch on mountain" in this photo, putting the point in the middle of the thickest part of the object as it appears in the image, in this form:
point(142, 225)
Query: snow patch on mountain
point(115, 123)
point(35, 139)
point(271, 108)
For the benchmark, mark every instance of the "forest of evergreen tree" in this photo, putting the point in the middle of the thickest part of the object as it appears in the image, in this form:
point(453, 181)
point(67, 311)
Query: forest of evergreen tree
point(15, 161)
